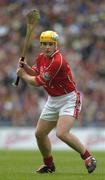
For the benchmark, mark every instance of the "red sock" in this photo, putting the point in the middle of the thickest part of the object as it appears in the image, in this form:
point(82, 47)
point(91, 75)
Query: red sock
point(85, 155)
point(48, 161)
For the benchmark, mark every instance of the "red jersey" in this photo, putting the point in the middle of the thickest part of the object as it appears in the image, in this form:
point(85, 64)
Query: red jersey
point(54, 74)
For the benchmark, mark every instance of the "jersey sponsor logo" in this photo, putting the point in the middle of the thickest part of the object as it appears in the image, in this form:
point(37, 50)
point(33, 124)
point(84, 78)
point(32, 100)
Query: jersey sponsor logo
point(46, 76)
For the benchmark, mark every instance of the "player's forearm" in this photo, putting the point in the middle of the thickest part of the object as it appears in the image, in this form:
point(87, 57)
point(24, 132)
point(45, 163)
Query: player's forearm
point(26, 68)
point(29, 70)
point(30, 80)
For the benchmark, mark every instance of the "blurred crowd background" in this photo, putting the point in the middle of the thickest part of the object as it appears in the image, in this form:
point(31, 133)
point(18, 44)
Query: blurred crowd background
point(81, 26)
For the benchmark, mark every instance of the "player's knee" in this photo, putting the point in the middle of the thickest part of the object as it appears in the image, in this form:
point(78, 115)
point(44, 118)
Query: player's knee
point(38, 134)
point(60, 135)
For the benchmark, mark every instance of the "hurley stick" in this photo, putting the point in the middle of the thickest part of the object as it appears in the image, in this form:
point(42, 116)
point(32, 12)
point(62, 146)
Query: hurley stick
point(32, 19)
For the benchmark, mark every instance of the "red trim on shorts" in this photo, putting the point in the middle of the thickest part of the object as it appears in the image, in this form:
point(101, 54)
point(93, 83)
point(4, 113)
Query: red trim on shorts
point(77, 106)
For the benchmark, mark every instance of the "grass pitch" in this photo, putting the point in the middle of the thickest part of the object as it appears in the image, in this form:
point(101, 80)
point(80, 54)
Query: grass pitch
point(20, 165)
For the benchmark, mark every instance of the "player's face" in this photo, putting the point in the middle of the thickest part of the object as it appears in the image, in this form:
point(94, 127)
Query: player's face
point(48, 48)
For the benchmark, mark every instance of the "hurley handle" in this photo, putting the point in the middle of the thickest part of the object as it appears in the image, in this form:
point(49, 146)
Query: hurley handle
point(18, 78)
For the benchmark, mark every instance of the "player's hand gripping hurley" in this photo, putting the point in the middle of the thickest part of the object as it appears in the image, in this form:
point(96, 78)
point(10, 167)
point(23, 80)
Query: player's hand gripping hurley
point(32, 19)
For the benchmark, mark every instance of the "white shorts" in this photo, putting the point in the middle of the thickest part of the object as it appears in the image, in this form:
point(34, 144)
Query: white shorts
point(69, 104)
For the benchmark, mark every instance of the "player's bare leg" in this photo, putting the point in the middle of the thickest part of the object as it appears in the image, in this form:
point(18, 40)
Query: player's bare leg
point(64, 125)
point(43, 129)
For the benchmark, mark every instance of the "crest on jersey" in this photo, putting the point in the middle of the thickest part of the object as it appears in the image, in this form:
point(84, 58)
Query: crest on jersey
point(46, 76)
